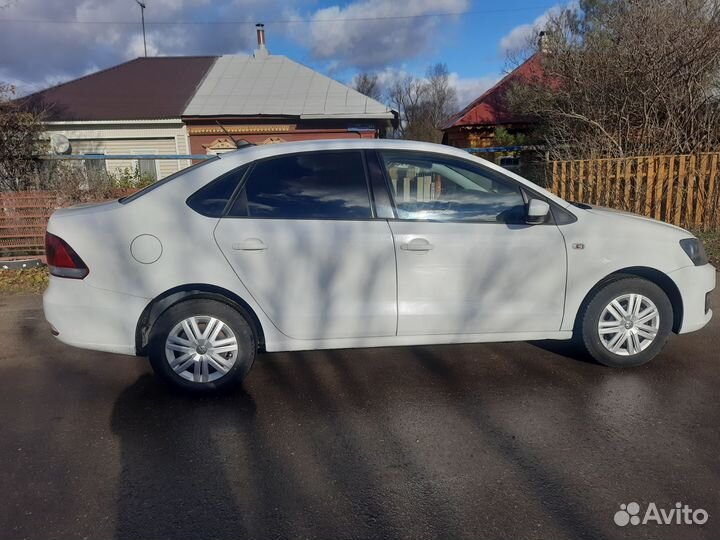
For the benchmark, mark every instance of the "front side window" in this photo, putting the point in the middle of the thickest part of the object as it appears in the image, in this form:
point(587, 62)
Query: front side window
point(318, 185)
point(438, 188)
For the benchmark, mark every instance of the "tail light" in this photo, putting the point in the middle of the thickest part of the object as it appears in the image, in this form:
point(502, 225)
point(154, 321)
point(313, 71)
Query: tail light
point(62, 259)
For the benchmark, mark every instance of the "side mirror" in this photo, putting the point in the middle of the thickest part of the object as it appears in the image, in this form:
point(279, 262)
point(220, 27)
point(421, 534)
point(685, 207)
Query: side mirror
point(537, 212)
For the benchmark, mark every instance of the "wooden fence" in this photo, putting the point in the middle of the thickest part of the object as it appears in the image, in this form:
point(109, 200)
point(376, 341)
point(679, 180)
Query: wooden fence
point(23, 220)
point(682, 189)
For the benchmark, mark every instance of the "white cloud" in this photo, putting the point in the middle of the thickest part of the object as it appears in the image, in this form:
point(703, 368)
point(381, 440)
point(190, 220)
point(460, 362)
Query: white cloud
point(136, 47)
point(521, 36)
point(468, 89)
point(384, 32)
point(389, 75)
point(37, 54)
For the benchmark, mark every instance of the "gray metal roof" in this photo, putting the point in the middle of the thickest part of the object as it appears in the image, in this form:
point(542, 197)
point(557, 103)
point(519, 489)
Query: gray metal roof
point(273, 85)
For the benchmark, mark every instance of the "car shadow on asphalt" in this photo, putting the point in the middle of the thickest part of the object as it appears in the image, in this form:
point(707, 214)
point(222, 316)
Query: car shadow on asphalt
point(172, 477)
point(214, 467)
point(546, 483)
point(567, 349)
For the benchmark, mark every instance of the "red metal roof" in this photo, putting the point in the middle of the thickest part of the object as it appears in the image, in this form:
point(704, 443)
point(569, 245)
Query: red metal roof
point(141, 89)
point(490, 108)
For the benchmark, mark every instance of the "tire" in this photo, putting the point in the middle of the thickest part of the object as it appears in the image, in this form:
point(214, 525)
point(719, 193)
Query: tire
point(204, 362)
point(627, 351)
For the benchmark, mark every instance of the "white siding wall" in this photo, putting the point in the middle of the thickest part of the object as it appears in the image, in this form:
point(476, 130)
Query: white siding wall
point(161, 137)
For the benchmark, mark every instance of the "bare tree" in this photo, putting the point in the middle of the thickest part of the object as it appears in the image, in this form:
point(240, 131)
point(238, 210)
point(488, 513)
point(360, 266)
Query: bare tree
point(424, 105)
point(441, 97)
point(627, 77)
point(20, 143)
point(367, 84)
point(406, 96)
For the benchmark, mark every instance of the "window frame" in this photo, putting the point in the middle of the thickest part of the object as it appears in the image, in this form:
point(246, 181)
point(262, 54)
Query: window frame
point(103, 168)
point(231, 200)
point(241, 191)
point(156, 162)
point(380, 184)
point(526, 192)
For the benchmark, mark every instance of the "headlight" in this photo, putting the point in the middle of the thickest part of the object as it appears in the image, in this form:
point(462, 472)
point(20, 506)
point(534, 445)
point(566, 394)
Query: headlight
point(695, 250)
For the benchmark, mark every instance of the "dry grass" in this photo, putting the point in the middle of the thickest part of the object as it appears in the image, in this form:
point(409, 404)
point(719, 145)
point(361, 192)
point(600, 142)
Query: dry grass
point(28, 281)
point(711, 241)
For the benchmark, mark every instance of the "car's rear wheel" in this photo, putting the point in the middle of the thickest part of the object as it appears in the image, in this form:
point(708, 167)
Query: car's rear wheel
point(627, 322)
point(202, 346)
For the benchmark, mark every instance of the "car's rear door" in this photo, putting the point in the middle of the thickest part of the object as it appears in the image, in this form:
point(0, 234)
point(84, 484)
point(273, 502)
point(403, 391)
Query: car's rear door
point(303, 238)
point(467, 262)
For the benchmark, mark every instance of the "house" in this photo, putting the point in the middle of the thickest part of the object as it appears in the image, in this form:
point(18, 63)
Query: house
point(266, 99)
point(200, 105)
point(132, 108)
point(474, 127)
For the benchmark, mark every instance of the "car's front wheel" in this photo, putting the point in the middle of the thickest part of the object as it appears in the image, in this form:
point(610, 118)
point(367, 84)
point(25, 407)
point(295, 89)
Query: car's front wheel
point(202, 346)
point(627, 322)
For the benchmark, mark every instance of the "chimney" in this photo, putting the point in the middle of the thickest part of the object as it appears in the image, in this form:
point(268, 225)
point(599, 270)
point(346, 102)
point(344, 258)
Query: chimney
point(262, 49)
point(542, 42)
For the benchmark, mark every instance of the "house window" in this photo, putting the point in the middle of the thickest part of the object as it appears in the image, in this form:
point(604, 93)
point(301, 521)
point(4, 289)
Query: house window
point(146, 169)
point(509, 163)
point(95, 166)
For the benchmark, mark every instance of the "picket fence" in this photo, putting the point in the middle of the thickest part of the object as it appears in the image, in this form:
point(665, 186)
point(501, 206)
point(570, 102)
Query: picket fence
point(679, 189)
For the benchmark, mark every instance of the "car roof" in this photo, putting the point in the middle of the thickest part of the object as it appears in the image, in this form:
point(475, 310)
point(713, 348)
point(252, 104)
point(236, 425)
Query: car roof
point(250, 152)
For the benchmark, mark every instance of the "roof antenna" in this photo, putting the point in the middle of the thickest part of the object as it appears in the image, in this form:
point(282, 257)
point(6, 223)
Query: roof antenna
point(238, 143)
point(142, 16)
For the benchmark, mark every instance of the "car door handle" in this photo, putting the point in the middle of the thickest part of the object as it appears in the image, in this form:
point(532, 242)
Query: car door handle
point(417, 244)
point(250, 244)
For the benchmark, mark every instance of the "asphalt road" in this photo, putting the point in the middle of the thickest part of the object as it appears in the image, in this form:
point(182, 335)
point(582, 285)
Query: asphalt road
point(482, 441)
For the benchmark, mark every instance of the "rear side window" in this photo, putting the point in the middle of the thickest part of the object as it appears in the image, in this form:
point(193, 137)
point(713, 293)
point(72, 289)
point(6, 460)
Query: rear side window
point(212, 199)
point(318, 185)
point(138, 194)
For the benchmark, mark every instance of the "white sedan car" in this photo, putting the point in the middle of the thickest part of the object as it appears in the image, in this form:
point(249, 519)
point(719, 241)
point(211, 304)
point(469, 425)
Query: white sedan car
point(364, 243)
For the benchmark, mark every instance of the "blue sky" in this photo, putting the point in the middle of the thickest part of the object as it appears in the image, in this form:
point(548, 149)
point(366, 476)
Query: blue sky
point(43, 42)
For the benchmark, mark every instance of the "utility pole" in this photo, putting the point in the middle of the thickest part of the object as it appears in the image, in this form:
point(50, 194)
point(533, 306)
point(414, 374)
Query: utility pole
point(142, 17)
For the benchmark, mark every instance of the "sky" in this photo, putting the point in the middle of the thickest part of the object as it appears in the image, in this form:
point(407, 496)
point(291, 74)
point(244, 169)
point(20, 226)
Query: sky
point(46, 42)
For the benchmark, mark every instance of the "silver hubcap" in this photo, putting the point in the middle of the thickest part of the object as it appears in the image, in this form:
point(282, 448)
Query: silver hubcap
point(201, 349)
point(629, 324)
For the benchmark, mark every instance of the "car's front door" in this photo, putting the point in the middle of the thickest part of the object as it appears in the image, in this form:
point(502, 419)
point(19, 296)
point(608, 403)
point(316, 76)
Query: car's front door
point(466, 260)
point(303, 240)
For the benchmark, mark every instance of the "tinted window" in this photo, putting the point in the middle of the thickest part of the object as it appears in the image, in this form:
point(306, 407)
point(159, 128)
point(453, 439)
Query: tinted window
point(212, 199)
point(165, 180)
point(318, 185)
point(436, 188)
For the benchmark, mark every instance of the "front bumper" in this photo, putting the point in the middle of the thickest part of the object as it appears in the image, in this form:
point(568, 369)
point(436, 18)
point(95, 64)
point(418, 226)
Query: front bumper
point(694, 284)
point(91, 318)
